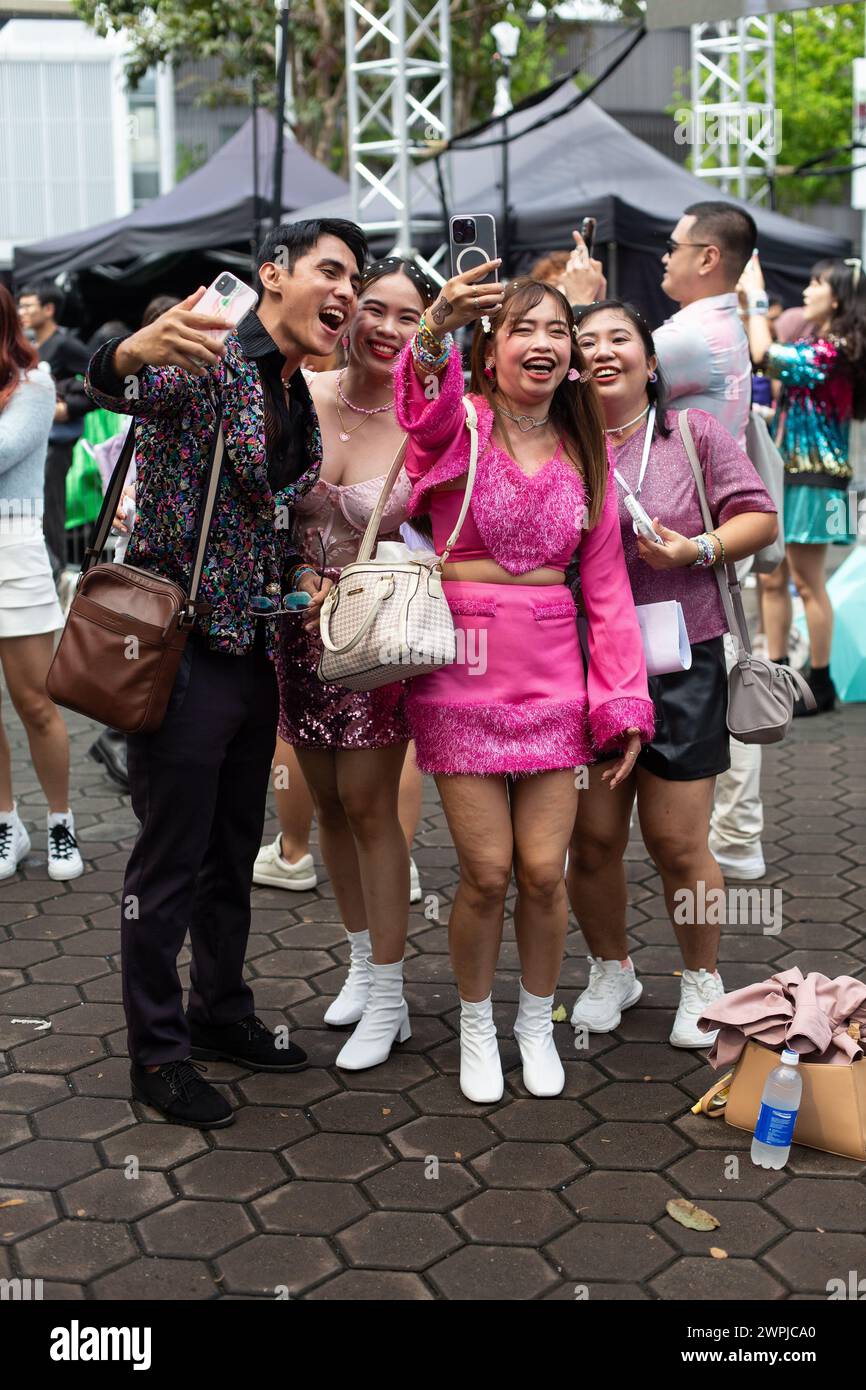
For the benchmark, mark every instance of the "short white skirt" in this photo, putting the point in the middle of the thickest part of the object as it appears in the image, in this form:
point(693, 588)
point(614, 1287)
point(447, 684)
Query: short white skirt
point(28, 598)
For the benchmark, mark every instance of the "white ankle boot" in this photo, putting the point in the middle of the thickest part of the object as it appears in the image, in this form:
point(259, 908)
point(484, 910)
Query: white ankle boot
point(384, 1021)
point(543, 1072)
point(351, 1002)
point(480, 1067)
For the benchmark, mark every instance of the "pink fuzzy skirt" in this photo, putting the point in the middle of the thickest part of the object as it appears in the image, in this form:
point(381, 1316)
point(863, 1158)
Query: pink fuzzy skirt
point(515, 700)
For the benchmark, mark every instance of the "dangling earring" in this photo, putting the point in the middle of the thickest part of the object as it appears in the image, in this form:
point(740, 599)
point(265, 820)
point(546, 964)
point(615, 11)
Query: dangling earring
point(488, 370)
point(346, 341)
point(573, 374)
point(653, 376)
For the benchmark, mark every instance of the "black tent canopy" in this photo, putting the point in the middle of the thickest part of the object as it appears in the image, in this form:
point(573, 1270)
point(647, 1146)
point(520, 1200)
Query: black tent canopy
point(581, 162)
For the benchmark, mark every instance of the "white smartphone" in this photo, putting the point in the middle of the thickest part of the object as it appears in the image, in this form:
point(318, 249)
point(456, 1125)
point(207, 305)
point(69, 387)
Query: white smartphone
point(229, 298)
point(641, 519)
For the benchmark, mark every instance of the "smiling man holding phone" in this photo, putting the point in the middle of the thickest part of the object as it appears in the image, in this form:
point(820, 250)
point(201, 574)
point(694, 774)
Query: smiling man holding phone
point(199, 783)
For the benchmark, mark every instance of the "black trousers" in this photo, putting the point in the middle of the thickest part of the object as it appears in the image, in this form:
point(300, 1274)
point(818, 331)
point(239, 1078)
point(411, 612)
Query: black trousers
point(198, 786)
point(58, 462)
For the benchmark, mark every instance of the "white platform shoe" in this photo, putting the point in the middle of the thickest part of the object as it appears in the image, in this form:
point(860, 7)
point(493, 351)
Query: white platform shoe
point(351, 1002)
point(481, 1078)
point(384, 1021)
point(543, 1072)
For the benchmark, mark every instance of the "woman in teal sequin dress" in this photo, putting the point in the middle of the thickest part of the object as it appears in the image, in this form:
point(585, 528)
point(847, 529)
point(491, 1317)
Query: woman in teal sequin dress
point(823, 377)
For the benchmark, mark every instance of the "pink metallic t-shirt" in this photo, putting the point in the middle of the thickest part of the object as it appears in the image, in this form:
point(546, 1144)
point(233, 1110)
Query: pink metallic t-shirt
point(669, 493)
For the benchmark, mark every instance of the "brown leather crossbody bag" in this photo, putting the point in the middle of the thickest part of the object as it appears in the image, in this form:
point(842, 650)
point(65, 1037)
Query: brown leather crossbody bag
point(126, 630)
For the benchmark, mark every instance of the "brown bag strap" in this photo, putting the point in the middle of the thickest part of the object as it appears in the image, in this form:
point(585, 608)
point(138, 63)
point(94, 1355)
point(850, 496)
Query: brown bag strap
point(705, 1105)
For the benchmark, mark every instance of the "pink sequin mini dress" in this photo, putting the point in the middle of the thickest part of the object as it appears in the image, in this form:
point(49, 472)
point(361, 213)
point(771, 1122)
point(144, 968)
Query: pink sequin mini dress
point(313, 715)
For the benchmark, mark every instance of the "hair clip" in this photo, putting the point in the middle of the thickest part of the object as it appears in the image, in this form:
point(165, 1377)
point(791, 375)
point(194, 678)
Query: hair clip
point(574, 332)
point(485, 324)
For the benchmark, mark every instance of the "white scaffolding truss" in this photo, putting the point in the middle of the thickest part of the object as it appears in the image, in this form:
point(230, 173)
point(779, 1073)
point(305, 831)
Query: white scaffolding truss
point(736, 126)
point(398, 72)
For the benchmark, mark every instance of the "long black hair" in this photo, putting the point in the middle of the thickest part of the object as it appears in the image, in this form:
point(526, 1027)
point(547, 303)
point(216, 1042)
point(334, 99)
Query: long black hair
point(848, 322)
point(657, 390)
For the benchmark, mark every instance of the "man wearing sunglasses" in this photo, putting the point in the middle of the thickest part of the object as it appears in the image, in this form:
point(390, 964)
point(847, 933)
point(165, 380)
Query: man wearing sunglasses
point(199, 783)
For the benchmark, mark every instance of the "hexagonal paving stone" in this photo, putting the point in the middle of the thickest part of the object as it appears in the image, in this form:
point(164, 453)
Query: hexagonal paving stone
point(23, 1093)
point(112, 1196)
point(745, 1229)
point(263, 1127)
point(416, 1185)
point(644, 1147)
point(446, 1137)
point(268, 1263)
point(23, 1211)
point(57, 1053)
point(14, 1130)
point(440, 1096)
point(344, 1157)
point(362, 1112)
point(619, 1196)
point(638, 1100)
point(107, 1077)
point(47, 1163)
point(480, 1273)
point(514, 1218)
point(734, 1281)
point(609, 1250)
point(72, 970)
point(238, 1176)
point(542, 1120)
point(310, 1208)
point(93, 1019)
point(83, 1118)
point(808, 1163)
point(198, 1229)
point(301, 1088)
point(834, 1205)
point(807, 1260)
point(159, 1146)
point(150, 1280)
point(75, 1250)
point(398, 1240)
point(371, 1286)
point(657, 1061)
point(706, 1175)
point(528, 1165)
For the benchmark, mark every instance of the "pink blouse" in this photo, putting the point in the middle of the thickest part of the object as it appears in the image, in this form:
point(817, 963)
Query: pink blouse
point(524, 523)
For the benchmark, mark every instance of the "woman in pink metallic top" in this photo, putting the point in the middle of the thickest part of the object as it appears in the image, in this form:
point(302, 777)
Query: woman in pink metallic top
point(505, 728)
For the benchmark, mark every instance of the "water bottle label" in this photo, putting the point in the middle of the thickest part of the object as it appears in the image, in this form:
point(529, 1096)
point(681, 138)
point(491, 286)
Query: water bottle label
point(774, 1126)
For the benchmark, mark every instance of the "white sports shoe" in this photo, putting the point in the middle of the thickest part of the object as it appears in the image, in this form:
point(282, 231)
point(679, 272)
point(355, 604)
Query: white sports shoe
point(14, 842)
point(415, 893)
point(739, 865)
point(271, 870)
point(698, 989)
point(64, 857)
point(612, 987)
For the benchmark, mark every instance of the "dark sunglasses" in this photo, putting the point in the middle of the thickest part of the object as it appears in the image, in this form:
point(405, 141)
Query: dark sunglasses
point(271, 605)
point(673, 246)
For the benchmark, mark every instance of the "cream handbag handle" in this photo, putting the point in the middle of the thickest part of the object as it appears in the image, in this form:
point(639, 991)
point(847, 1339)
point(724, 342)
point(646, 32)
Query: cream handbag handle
point(369, 539)
point(384, 589)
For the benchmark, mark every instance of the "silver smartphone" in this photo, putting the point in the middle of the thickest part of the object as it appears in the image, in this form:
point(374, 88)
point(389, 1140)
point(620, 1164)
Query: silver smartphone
point(473, 241)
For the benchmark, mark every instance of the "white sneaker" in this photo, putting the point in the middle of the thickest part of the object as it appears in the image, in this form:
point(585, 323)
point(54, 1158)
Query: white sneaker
point(698, 989)
point(612, 987)
point(271, 870)
point(415, 894)
point(64, 859)
point(740, 864)
point(14, 842)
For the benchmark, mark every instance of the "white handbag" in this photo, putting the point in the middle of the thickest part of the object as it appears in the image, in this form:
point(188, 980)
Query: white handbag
point(387, 619)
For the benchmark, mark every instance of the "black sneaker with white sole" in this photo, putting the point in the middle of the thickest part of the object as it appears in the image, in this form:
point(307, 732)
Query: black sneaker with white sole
point(179, 1092)
point(247, 1042)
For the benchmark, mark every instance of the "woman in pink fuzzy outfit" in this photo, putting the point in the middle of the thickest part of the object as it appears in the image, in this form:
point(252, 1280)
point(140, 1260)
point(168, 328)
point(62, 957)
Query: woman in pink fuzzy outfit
point(517, 701)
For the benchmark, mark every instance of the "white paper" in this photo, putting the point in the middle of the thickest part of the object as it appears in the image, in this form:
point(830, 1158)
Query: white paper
point(665, 640)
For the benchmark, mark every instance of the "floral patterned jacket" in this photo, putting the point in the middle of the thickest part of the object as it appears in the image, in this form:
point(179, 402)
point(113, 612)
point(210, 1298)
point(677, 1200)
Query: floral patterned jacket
point(250, 542)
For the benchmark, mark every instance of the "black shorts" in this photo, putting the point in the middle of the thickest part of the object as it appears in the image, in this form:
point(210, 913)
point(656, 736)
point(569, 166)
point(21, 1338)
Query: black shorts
point(691, 709)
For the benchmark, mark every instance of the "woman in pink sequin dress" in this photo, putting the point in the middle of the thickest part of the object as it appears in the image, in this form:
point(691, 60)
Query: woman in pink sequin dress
point(351, 745)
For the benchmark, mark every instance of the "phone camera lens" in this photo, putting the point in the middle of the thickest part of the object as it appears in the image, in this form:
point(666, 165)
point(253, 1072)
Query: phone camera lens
point(225, 283)
point(464, 231)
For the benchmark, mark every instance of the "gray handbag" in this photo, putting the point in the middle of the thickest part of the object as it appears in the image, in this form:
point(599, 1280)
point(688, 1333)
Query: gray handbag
point(761, 694)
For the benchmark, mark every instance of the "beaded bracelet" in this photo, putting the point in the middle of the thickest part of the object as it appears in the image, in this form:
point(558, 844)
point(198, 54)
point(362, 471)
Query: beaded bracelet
point(715, 535)
point(298, 573)
point(706, 557)
point(430, 360)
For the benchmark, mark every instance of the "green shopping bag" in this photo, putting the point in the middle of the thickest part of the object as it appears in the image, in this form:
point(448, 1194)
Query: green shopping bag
point(84, 481)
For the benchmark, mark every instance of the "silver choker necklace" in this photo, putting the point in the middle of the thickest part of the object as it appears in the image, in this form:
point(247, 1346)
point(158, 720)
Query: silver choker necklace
point(531, 422)
point(619, 429)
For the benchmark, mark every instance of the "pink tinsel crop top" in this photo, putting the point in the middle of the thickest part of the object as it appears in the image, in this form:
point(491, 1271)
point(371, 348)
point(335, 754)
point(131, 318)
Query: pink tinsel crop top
point(445, 508)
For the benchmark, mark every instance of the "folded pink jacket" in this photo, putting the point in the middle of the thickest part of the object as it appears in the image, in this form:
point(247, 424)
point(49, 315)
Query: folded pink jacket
point(810, 1015)
point(438, 452)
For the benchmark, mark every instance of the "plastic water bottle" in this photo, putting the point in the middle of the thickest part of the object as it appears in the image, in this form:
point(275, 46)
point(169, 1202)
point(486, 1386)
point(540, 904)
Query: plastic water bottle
point(778, 1114)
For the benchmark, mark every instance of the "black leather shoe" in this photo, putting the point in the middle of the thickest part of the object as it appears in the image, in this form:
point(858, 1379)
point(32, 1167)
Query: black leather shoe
point(110, 750)
point(180, 1093)
point(249, 1043)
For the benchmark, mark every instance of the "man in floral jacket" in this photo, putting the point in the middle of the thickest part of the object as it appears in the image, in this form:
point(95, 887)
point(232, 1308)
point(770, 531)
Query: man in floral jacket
point(199, 783)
